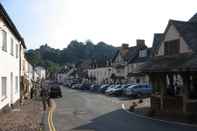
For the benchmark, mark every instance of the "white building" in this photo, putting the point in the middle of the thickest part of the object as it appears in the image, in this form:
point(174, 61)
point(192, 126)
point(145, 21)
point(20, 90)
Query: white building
point(66, 75)
point(101, 74)
point(41, 71)
point(10, 45)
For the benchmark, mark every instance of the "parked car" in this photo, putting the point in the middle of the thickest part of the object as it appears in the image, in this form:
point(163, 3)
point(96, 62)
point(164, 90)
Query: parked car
point(103, 88)
point(138, 90)
point(55, 91)
point(109, 91)
point(84, 87)
point(94, 88)
point(118, 91)
point(76, 86)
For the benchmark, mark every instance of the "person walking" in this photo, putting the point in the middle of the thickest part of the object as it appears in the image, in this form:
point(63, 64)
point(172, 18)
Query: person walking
point(44, 93)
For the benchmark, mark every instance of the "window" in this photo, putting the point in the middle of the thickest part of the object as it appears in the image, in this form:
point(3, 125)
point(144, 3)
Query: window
point(4, 40)
point(143, 53)
point(16, 50)
point(4, 86)
point(172, 47)
point(12, 47)
point(16, 86)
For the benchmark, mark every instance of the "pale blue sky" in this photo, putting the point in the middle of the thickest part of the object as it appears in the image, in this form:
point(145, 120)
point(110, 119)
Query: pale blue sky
point(57, 22)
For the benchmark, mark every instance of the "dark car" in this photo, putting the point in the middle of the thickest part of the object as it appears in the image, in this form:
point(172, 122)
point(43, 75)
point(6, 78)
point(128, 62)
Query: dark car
point(85, 87)
point(55, 92)
point(94, 88)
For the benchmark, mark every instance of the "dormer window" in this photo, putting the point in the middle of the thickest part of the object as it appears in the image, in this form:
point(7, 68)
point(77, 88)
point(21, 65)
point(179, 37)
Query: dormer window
point(172, 47)
point(143, 53)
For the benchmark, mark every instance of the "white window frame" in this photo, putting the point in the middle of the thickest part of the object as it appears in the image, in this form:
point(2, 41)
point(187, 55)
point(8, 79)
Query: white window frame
point(12, 46)
point(4, 40)
point(16, 85)
point(4, 89)
point(17, 50)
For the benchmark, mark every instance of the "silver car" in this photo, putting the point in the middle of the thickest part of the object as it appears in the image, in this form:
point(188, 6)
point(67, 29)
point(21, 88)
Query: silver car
point(138, 90)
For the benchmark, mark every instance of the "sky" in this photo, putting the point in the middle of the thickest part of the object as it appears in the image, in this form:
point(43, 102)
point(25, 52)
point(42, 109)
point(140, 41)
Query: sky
point(57, 22)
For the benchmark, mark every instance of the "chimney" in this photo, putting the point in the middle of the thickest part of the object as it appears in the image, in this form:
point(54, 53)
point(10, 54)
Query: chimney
point(140, 43)
point(124, 49)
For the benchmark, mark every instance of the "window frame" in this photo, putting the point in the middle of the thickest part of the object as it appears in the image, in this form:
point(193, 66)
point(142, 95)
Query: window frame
point(16, 84)
point(172, 47)
point(4, 40)
point(12, 46)
point(4, 89)
point(17, 50)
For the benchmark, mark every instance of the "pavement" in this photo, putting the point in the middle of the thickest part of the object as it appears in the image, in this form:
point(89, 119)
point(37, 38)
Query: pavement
point(85, 111)
point(22, 118)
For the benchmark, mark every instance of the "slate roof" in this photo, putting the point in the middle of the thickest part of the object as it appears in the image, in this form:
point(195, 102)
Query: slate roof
point(175, 63)
point(136, 59)
point(178, 62)
point(11, 25)
point(133, 52)
point(188, 30)
point(63, 70)
point(193, 18)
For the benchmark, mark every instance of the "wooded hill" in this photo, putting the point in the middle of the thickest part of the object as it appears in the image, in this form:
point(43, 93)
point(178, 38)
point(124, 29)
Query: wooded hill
point(75, 52)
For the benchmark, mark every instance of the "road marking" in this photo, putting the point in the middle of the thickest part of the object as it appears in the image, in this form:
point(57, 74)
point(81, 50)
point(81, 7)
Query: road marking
point(154, 119)
point(50, 116)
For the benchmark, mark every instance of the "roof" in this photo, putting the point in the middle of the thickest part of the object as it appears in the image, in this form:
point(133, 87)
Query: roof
point(132, 74)
point(188, 30)
point(11, 25)
point(138, 59)
point(63, 70)
point(132, 53)
point(158, 37)
point(193, 18)
point(175, 63)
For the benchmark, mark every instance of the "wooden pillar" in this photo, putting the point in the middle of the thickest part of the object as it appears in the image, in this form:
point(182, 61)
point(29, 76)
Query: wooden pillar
point(186, 85)
point(171, 79)
point(152, 81)
point(162, 84)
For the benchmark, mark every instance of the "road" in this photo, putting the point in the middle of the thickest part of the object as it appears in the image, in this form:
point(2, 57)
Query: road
point(82, 111)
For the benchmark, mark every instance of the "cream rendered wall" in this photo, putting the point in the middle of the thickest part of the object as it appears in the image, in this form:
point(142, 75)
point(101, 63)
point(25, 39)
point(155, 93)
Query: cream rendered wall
point(135, 68)
point(100, 74)
point(9, 64)
point(173, 34)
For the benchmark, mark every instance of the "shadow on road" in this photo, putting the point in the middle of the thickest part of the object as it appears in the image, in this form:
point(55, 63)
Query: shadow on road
point(119, 120)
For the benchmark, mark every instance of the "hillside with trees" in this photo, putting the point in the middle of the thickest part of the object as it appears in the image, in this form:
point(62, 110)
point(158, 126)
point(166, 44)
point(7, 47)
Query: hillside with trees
point(75, 52)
